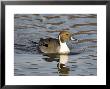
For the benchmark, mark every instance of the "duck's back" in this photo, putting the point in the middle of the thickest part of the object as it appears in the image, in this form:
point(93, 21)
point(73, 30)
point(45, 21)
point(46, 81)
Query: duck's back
point(49, 45)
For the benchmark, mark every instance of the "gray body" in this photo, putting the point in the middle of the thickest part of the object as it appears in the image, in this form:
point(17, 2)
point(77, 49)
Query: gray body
point(49, 45)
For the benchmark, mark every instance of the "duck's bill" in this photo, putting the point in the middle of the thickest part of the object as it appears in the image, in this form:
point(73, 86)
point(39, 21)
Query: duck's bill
point(73, 39)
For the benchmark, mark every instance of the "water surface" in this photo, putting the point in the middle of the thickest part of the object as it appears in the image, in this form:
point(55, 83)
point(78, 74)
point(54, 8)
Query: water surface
point(29, 28)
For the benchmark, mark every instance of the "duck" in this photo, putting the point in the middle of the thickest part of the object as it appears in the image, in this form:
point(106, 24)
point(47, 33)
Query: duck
point(57, 46)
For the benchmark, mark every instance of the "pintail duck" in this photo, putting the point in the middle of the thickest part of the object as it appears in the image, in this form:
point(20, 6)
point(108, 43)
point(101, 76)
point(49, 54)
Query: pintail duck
point(52, 45)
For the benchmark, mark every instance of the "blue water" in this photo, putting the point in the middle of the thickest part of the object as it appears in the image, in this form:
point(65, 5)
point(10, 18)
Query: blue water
point(29, 28)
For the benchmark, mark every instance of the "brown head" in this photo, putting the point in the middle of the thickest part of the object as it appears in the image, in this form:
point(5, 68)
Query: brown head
point(65, 36)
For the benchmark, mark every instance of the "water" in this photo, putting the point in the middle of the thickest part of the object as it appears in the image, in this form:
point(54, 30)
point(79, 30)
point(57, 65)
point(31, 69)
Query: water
point(29, 28)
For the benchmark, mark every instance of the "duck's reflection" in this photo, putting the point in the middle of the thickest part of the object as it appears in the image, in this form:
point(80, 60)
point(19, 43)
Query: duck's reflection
point(51, 57)
point(63, 70)
point(62, 60)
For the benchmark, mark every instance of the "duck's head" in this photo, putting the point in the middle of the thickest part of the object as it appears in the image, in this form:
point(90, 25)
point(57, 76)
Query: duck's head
point(65, 36)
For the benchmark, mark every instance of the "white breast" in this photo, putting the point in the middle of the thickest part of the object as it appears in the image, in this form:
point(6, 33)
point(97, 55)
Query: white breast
point(64, 48)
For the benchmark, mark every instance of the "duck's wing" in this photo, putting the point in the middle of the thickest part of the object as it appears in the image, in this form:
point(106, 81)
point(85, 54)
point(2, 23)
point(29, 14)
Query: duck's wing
point(49, 45)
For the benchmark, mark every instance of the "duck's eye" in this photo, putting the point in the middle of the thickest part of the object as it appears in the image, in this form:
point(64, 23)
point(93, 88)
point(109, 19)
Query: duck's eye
point(67, 34)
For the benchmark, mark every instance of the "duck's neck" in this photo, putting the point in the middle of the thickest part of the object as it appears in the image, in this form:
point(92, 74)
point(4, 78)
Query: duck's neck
point(63, 47)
